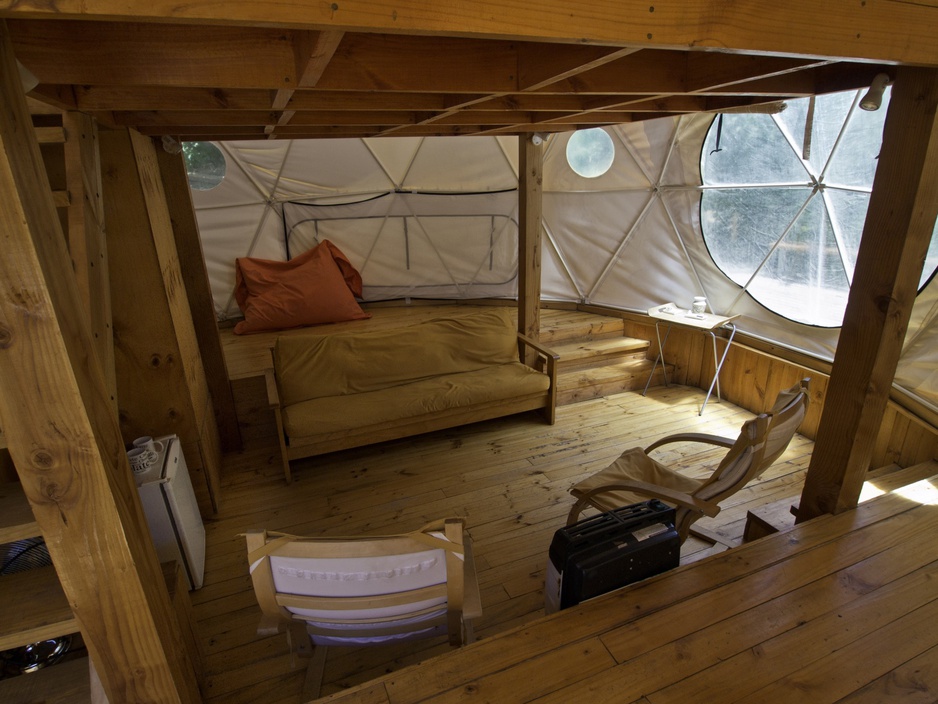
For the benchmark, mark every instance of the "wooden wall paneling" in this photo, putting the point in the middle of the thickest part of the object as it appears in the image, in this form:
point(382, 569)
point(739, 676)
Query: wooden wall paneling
point(64, 437)
point(530, 200)
point(86, 236)
point(898, 229)
point(199, 293)
point(880, 452)
point(898, 431)
point(752, 378)
point(920, 443)
point(160, 379)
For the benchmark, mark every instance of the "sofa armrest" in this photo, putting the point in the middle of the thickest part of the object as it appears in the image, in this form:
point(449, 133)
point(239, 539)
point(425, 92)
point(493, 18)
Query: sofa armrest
point(550, 368)
point(273, 396)
point(270, 379)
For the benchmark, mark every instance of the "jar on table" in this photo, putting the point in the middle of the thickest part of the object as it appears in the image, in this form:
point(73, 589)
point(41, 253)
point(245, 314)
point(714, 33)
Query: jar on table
point(699, 305)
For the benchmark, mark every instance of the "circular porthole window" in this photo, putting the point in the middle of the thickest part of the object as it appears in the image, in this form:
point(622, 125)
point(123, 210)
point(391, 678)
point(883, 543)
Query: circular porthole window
point(590, 152)
point(784, 202)
point(205, 165)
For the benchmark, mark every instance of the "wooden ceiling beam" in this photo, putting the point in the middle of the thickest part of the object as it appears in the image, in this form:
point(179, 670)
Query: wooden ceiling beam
point(313, 52)
point(387, 62)
point(715, 70)
point(162, 55)
point(884, 31)
point(540, 66)
point(662, 72)
point(212, 118)
point(139, 98)
point(649, 71)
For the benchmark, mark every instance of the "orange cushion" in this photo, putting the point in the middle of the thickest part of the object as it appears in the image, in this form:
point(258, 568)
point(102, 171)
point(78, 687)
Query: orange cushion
point(313, 288)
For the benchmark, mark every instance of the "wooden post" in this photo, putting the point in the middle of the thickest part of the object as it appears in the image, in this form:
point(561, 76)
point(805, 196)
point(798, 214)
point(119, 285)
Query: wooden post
point(161, 380)
point(898, 229)
point(86, 236)
point(63, 435)
point(199, 293)
point(530, 193)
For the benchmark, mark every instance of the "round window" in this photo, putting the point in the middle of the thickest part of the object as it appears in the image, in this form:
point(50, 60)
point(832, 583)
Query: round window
point(590, 152)
point(784, 220)
point(205, 165)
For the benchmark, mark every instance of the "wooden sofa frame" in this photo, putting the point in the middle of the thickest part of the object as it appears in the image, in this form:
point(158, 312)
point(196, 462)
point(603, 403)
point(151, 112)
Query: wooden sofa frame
point(546, 402)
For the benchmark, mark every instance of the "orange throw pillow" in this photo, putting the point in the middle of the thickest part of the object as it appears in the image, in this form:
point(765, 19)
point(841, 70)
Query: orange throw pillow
point(319, 286)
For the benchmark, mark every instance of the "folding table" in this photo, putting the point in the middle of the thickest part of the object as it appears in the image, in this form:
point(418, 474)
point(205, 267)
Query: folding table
point(669, 315)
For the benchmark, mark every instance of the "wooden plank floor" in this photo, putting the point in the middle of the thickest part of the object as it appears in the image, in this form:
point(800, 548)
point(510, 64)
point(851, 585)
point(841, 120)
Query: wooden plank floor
point(839, 609)
point(508, 477)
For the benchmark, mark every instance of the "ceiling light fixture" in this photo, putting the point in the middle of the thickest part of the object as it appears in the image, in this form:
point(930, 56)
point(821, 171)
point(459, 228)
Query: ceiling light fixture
point(874, 96)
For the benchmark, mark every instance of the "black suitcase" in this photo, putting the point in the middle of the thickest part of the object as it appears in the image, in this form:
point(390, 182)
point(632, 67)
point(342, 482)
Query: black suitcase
point(609, 551)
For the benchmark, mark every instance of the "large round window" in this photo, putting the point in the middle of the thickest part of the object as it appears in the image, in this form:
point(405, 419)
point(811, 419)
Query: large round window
point(590, 152)
point(784, 220)
point(205, 165)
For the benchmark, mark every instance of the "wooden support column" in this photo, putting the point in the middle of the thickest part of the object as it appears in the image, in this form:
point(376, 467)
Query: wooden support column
point(86, 236)
point(530, 212)
point(199, 293)
point(896, 235)
point(63, 434)
point(161, 380)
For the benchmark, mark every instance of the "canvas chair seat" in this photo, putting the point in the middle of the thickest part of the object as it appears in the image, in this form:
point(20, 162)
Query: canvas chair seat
point(634, 465)
point(364, 590)
point(635, 476)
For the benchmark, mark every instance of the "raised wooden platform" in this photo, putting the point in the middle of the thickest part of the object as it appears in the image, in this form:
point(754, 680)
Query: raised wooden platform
point(840, 609)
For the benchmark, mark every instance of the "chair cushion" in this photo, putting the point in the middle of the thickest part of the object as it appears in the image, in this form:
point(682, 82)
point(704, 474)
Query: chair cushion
point(633, 465)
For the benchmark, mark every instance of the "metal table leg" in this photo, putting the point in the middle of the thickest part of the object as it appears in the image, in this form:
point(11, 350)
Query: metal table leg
point(660, 357)
point(718, 364)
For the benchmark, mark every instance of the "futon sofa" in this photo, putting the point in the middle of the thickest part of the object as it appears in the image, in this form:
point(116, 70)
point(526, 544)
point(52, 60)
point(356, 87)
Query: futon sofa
point(333, 392)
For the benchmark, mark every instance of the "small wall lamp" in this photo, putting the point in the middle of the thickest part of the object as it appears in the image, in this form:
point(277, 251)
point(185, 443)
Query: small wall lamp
point(874, 96)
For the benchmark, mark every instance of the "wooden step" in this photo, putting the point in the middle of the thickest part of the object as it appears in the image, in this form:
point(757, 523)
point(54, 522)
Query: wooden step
point(557, 330)
point(33, 607)
point(594, 353)
point(16, 516)
point(893, 477)
point(777, 515)
point(585, 384)
point(65, 682)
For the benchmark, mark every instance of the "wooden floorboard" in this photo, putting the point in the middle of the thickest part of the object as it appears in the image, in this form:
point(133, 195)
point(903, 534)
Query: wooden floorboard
point(509, 478)
point(837, 609)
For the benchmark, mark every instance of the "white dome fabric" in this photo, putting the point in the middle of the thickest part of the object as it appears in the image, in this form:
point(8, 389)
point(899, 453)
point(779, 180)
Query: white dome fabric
point(629, 239)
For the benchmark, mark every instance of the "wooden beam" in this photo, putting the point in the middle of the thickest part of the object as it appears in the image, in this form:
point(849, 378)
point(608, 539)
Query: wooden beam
point(389, 62)
point(199, 294)
point(880, 30)
point(161, 380)
point(313, 52)
point(313, 55)
point(155, 54)
point(98, 98)
point(63, 435)
point(87, 241)
point(538, 67)
point(898, 229)
point(530, 197)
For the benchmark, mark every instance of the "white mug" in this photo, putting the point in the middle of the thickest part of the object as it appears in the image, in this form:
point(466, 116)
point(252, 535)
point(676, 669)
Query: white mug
point(141, 459)
point(145, 441)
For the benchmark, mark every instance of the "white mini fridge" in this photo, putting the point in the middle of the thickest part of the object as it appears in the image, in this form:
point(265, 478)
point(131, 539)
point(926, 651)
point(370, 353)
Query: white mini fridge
point(172, 511)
